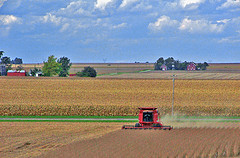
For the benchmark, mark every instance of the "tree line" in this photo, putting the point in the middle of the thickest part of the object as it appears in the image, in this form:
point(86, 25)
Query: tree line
point(61, 67)
point(52, 67)
point(8, 62)
point(171, 64)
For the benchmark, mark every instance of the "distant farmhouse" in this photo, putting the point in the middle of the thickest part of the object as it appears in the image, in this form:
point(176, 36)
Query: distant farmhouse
point(172, 64)
point(191, 67)
point(3, 70)
point(163, 67)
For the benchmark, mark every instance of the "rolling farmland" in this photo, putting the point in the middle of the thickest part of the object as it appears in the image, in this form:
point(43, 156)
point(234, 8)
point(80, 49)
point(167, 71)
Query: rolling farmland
point(108, 68)
point(117, 97)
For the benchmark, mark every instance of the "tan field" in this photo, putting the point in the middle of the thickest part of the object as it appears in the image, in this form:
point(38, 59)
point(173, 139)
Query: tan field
point(101, 68)
point(117, 97)
point(190, 75)
point(51, 139)
point(106, 68)
point(30, 139)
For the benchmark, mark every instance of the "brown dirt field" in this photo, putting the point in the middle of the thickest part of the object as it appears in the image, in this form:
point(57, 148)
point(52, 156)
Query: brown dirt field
point(104, 68)
point(204, 141)
point(30, 139)
point(224, 66)
point(192, 75)
point(101, 68)
point(58, 139)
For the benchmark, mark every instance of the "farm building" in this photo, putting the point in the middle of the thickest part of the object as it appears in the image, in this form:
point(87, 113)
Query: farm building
point(3, 70)
point(16, 73)
point(163, 67)
point(191, 67)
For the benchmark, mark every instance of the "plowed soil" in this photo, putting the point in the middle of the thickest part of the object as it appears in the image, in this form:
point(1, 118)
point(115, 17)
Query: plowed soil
point(89, 139)
point(180, 142)
point(31, 139)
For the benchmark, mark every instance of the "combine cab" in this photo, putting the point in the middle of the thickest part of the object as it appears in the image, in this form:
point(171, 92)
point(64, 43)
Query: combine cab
point(148, 119)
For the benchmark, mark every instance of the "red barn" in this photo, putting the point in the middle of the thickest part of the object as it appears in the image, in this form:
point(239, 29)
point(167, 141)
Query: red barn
point(16, 73)
point(191, 67)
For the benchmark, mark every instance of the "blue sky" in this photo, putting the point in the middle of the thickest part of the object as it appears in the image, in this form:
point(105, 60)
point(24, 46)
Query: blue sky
point(121, 30)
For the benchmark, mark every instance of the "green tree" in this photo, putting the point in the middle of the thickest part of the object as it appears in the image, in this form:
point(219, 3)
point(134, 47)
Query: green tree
point(159, 63)
point(169, 62)
point(184, 65)
point(7, 62)
point(87, 72)
point(34, 71)
point(1, 54)
point(19, 68)
point(17, 61)
point(65, 66)
point(51, 67)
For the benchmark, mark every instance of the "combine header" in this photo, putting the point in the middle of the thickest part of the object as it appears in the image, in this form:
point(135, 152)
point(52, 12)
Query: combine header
point(148, 119)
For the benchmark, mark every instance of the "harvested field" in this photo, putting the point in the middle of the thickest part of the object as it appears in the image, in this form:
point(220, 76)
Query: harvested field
point(192, 139)
point(101, 68)
point(179, 142)
point(189, 75)
point(117, 97)
point(224, 66)
point(106, 68)
point(29, 139)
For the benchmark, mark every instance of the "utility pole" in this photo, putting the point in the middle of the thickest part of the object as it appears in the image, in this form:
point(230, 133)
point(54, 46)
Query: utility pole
point(173, 93)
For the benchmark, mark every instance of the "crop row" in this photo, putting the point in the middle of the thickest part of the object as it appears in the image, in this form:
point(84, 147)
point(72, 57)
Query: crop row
point(117, 96)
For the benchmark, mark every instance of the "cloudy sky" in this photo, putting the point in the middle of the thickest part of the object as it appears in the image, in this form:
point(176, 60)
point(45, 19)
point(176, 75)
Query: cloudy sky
point(121, 30)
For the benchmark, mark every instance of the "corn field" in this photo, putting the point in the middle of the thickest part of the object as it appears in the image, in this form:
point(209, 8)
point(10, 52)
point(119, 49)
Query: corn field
point(117, 97)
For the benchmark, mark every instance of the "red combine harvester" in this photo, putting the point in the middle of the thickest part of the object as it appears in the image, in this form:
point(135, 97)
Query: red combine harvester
point(148, 119)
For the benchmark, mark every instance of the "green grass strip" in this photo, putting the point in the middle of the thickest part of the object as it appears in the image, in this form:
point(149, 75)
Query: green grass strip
point(68, 121)
point(206, 117)
point(120, 73)
point(94, 117)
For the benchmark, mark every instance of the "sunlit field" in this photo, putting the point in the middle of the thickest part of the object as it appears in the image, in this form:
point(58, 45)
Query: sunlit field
point(112, 97)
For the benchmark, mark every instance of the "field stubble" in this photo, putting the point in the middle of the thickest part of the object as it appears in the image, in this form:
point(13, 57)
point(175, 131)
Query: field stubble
point(30, 139)
point(204, 141)
point(58, 139)
point(117, 97)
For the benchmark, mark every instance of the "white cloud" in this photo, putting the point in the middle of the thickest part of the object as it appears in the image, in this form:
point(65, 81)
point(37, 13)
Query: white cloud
point(230, 40)
point(52, 18)
point(190, 4)
point(64, 27)
point(6, 22)
point(75, 7)
point(236, 20)
point(9, 19)
point(2, 2)
point(102, 4)
point(162, 22)
point(126, 3)
point(119, 26)
point(230, 4)
point(223, 21)
point(142, 6)
point(200, 26)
